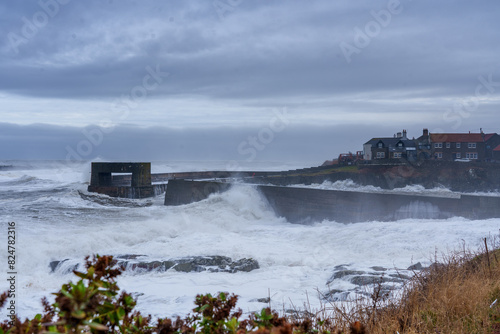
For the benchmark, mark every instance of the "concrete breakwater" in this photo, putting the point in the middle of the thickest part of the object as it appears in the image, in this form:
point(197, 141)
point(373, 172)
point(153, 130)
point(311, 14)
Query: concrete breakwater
point(135, 180)
point(302, 205)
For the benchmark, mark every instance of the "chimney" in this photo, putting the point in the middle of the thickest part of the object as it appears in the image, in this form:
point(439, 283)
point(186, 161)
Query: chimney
point(426, 132)
point(399, 135)
point(404, 134)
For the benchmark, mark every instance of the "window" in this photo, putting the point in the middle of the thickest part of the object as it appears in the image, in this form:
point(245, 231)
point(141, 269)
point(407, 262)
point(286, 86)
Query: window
point(472, 145)
point(380, 145)
point(459, 145)
point(458, 155)
point(438, 145)
point(380, 155)
point(438, 155)
point(471, 155)
point(397, 155)
point(448, 145)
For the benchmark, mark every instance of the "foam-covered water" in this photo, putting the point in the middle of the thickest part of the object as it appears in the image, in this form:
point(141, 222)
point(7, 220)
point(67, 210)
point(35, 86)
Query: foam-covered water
point(414, 189)
point(58, 219)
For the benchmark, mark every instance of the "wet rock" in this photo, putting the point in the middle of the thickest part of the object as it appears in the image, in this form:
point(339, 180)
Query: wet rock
point(188, 267)
point(146, 266)
point(343, 273)
point(416, 266)
point(336, 295)
point(194, 264)
point(377, 268)
point(57, 266)
point(367, 280)
point(245, 265)
point(265, 300)
point(129, 256)
point(216, 263)
point(53, 264)
point(340, 267)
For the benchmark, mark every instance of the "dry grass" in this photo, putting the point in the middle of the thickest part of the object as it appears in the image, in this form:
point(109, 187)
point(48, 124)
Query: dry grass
point(457, 296)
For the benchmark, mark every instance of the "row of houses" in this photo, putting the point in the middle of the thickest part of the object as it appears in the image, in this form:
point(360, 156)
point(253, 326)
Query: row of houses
point(440, 146)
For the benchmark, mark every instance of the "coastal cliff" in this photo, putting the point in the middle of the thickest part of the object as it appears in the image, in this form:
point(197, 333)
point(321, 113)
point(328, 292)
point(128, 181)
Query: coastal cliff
point(456, 176)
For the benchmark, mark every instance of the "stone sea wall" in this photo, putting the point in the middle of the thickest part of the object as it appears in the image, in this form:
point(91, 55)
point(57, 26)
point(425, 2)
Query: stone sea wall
point(303, 205)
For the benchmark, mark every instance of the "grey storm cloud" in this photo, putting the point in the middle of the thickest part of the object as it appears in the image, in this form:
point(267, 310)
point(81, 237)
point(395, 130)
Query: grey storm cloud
point(378, 65)
point(257, 49)
point(246, 144)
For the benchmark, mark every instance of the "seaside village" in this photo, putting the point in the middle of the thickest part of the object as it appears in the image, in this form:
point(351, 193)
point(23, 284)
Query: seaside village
point(481, 147)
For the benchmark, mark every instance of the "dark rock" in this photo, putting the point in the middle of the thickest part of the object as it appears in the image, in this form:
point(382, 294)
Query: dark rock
point(265, 300)
point(219, 261)
point(377, 268)
point(245, 265)
point(56, 265)
point(188, 267)
point(340, 267)
point(336, 295)
point(129, 256)
point(343, 273)
point(416, 266)
point(193, 264)
point(148, 266)
point(367, 280)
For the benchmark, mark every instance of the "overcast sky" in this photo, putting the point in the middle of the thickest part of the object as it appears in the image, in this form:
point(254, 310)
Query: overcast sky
point(240, 79)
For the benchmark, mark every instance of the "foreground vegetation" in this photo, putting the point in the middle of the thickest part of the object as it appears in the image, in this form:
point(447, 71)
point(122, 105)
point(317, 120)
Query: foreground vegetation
point(459, 296)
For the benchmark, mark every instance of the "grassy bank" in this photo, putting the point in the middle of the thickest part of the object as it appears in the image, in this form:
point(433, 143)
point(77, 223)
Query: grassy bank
point(460, 295)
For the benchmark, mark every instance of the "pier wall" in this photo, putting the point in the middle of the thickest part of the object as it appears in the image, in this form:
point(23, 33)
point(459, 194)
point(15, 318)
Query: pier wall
point(303, 205)
point(134, 181)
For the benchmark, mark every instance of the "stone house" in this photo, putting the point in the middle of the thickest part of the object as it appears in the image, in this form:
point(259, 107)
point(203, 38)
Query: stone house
point(439, 146)
point(453, 146)
point(385, 148)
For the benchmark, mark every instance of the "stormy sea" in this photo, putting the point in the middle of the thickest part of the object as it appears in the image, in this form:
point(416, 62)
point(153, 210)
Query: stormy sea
point(230, 242)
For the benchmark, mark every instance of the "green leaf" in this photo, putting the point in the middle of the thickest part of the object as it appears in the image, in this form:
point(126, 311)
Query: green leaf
point(97, 326)
point(80, 274)
point(121, 313)
point(67, 294)
point(78, 314)
point(129, 301)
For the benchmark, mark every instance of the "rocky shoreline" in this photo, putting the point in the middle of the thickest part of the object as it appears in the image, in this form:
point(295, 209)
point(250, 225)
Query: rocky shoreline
point(138, 264)
point(360, 281)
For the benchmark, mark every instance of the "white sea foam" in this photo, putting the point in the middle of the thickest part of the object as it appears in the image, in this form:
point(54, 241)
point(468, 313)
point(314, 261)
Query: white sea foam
point(295, 261)
point(350, 185)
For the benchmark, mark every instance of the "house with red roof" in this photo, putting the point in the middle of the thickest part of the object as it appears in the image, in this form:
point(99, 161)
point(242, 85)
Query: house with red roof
point(452, 146)
point(437, 146)
point(496, 154)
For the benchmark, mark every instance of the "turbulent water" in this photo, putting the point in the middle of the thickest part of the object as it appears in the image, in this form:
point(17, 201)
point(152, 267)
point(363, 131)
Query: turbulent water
point(57, 219)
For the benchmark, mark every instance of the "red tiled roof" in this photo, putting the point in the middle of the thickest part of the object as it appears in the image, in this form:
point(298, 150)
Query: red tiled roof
point(459, 137)
point(497, 149)
point(488, 136)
